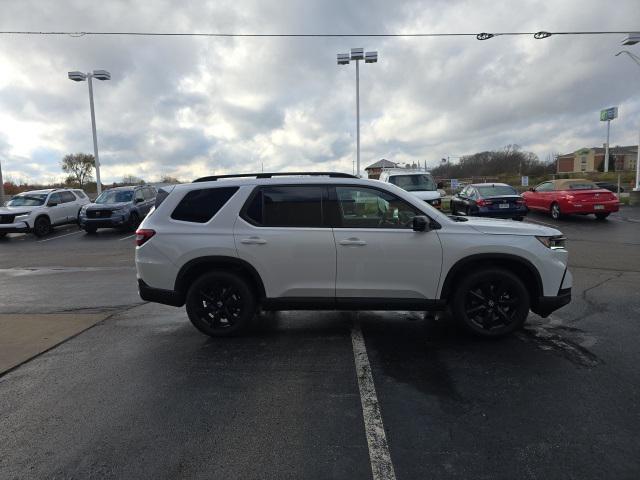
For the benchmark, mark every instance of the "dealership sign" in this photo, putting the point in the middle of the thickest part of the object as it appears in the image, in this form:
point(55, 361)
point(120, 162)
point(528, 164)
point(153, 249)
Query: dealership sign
point(608, 114)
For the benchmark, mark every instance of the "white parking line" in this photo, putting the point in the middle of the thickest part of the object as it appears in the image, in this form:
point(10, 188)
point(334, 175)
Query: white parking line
point(130, 236)
point(379, 456)
point(59, 236)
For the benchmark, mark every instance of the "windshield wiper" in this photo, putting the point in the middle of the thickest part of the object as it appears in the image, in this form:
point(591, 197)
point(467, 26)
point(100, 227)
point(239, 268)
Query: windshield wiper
point(457, 218)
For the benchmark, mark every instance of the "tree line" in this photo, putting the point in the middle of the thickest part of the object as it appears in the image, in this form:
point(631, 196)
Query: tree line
point(511, 160)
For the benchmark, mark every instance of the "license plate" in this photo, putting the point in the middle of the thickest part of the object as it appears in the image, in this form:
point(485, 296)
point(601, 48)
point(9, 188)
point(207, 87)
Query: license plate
point(504, 205)
point(598, 207)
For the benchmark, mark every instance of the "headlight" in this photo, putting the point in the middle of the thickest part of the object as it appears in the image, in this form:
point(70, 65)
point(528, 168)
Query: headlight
point(119, 211)
point(83, 210)
point(22, 215)
point(556, 242)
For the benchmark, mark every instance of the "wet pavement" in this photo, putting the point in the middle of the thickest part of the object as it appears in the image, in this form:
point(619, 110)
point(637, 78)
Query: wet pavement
point(143, 395)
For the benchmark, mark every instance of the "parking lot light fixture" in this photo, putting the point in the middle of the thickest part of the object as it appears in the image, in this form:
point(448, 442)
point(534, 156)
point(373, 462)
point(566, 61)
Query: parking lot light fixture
point(356, 55)
point(632, 39)
point(81, 77)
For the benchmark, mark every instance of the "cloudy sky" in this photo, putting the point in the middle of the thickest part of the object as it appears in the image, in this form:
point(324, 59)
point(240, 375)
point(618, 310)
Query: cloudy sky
point(193, 106)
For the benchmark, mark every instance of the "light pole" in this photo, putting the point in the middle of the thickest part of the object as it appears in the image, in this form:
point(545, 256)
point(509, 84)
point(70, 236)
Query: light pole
point(632, 39)
point(357, 54)
point(81, 77)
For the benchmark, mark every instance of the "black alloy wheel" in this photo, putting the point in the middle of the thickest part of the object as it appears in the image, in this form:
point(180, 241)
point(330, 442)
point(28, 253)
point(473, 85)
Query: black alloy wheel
point(42, 226)
point(133, 222)
point(221, 304)
point(491, 302)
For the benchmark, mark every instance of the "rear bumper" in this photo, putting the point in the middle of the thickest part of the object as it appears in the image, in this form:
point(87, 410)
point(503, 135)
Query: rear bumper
point(506, 213)
point(588, 208)
point(159, 295)
point(546, 305)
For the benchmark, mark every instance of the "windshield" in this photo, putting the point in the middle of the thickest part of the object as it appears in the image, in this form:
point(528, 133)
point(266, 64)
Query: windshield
point(115, 196)
point(413, 183)
point(32, 200)
point(496, 190)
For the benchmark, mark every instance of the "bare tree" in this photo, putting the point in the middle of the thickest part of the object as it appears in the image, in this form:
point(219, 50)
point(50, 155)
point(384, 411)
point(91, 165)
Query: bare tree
point(132, 180)
point(79, 166)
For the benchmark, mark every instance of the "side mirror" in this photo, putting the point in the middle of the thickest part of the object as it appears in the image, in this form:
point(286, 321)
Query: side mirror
point(440, 185)
point(52, 204)
point(531, 189)
point(420, 223)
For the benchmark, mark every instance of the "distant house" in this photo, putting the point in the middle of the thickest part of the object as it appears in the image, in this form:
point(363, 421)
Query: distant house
point(375, 169)
point(592, 159)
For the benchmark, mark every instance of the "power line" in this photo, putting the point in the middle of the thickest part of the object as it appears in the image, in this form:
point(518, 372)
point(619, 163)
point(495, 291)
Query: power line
point(480, 36)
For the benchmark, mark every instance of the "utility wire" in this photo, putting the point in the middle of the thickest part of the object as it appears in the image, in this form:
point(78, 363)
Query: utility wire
point(479, 36)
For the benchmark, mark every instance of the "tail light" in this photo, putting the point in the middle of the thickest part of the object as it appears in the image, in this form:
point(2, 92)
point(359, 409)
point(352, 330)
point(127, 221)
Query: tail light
point(520, 201)
point(482, 202)
point(143, 235)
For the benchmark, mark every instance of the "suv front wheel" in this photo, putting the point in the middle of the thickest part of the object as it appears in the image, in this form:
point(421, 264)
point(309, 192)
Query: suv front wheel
point(491, 302)
point(221, 304)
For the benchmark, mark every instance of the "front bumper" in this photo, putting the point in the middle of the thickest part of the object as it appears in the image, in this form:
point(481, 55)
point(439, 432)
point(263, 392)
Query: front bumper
point(111, 222)
point(546, 305)
point(16, 227)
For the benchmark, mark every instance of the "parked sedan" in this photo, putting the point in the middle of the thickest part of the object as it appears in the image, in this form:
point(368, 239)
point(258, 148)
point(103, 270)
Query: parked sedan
point(612, 187)
point(122, 207)
point(497, 200)
point(573, 196)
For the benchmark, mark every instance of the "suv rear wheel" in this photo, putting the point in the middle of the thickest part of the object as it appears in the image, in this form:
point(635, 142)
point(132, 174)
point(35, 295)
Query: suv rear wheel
point(491, 302)
point(221, 304)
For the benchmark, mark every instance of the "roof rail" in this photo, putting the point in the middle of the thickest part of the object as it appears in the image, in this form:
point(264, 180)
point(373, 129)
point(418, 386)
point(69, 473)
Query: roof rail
point(213, 178)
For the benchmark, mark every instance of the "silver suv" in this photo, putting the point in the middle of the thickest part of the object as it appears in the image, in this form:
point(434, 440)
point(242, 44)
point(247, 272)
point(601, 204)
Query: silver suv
point(39, 211)
point(227, 246)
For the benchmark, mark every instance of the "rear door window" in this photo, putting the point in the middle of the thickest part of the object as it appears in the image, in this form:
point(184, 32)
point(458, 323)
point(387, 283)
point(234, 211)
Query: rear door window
point(67, 197)
point(286, 206)
point(199, 206)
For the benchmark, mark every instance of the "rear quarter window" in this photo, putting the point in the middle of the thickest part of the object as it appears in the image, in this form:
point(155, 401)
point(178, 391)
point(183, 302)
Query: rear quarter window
point(199, 206)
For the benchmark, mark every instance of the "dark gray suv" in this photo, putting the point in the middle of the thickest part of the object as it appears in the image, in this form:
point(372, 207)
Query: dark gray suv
point(121, 207)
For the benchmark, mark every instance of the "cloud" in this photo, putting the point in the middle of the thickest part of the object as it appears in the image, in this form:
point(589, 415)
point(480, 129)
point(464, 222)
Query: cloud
point(193, 106)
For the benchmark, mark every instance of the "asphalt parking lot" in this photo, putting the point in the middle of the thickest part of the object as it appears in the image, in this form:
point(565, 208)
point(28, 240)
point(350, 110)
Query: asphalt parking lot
point(139, 393)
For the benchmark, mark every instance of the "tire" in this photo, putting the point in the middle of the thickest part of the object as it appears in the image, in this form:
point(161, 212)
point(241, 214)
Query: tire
point(602, 216)
point(221, 304)
point(3, 234)
point(491, 303)
point(90, 230)
point(42, 226)
point(518, 219)
point(556, 214)
point(133, 223)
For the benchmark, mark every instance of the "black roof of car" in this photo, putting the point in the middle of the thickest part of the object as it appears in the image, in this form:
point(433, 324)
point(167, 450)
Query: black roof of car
point(489, 184)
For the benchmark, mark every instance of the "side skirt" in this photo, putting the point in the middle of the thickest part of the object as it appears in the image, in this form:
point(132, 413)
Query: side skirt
point(351, 303)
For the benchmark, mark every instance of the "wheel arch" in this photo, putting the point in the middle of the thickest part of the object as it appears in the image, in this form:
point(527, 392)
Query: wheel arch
point(519, 266)
point(198, 266)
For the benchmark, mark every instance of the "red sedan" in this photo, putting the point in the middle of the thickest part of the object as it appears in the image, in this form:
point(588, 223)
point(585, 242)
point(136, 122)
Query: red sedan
point(573, 196)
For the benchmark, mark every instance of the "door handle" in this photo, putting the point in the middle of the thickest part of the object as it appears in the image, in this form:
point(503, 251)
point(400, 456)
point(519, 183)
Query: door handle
point(353, 241)
point(253, 241)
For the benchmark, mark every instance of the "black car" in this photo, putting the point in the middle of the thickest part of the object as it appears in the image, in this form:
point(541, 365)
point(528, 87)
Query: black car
point(612, 187)
point(497, 200)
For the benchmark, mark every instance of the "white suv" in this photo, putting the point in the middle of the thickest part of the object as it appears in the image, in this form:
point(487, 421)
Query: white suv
point(39, 211)
point(417, 182)
point(228, 246)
